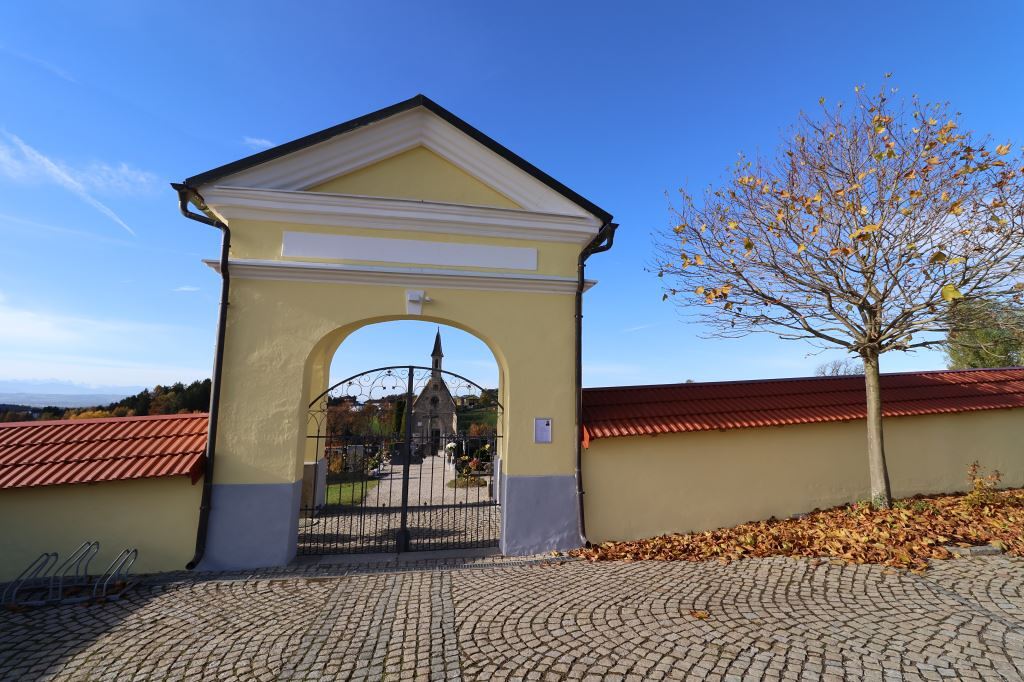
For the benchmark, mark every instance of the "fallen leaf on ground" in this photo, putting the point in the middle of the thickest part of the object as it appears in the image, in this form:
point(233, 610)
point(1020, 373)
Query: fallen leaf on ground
point(906, 536)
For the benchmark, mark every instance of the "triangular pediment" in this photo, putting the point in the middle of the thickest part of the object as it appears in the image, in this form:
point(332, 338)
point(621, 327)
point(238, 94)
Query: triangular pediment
point(418, 174)
point(412, 150)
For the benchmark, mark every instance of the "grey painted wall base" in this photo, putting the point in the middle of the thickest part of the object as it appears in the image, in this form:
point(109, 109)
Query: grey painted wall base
point(538, 514)
point(252, 526)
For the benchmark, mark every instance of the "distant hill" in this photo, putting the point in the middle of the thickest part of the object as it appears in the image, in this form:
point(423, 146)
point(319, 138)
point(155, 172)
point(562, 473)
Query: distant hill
point(60, 387)
point(60, 399)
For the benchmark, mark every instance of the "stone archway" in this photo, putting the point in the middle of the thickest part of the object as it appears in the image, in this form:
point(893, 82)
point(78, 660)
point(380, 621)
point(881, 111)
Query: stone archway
point(405, 213)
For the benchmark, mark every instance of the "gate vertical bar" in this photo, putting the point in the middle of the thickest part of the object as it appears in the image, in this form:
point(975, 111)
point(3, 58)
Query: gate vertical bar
point(403, 531)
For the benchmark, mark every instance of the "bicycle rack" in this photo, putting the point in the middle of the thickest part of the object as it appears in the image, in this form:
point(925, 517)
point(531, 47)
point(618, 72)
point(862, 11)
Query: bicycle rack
point(70, 581)
point(117, 573)
point(33, 579)
point(45, 582)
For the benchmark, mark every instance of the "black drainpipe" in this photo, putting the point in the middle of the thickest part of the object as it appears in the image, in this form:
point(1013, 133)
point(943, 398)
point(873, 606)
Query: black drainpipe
point(186, 194)
point(601, 242)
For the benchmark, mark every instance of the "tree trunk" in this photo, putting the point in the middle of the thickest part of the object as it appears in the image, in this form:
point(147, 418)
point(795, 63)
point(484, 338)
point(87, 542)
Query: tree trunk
point(880, 493)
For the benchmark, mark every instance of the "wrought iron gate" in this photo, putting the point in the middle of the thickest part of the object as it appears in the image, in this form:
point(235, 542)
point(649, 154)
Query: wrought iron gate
point(410, 455)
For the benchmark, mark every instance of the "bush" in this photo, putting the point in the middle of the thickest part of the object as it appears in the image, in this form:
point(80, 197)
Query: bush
point(984, 489)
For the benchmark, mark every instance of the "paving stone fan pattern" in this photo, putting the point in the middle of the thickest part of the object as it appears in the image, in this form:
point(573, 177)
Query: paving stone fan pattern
point(564, 620)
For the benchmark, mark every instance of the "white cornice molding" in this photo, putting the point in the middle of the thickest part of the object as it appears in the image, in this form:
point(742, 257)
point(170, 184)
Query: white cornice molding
point(422, 278)
point(344, 210)
point(365, 146)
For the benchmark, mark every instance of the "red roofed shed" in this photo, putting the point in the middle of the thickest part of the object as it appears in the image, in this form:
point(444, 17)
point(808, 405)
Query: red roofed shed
point(126, 482)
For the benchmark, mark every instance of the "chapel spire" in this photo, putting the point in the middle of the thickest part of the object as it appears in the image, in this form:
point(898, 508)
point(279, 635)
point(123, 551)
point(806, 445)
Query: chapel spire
point(436, 354)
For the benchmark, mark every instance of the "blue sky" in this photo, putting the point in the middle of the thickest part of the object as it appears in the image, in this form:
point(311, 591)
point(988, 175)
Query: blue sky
point(106, 102)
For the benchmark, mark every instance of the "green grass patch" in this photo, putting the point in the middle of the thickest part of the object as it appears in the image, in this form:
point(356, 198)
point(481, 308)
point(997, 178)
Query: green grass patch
point(486, 416)
point(349, 492)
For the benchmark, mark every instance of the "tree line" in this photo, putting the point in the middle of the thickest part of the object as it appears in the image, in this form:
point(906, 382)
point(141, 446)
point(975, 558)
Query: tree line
point(176, 398)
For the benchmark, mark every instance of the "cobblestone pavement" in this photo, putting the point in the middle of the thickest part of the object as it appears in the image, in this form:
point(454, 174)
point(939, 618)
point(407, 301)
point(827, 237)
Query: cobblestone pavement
point(757, 619)
point(374, 529)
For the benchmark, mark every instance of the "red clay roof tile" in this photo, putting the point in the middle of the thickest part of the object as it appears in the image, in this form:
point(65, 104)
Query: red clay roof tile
point(674, 408)
point(93, 450)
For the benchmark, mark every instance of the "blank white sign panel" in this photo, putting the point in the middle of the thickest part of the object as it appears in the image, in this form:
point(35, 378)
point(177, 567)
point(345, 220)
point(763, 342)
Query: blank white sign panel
point(542, 430)
point(347, 247)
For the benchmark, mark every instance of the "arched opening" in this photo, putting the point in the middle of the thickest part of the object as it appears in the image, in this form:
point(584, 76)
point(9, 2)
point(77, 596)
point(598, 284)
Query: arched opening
point(403, 445)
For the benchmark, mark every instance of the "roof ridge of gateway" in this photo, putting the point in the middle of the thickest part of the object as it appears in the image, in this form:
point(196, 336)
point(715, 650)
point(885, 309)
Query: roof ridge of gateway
point(104, 420)
point(418, 100)
point(803, 378)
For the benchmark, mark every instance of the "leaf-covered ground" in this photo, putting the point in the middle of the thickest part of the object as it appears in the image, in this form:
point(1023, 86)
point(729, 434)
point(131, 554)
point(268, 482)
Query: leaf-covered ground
point(906, 536)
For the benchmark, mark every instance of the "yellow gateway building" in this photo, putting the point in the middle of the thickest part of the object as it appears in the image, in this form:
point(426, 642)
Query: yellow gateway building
point(406, 213)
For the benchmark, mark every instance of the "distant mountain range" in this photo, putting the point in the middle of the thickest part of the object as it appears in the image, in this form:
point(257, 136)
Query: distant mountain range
point(56, 393)
point(60, 399)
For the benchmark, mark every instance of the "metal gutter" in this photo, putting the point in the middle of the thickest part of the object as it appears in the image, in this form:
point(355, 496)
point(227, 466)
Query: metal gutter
point(601, 242)
point(186, 195)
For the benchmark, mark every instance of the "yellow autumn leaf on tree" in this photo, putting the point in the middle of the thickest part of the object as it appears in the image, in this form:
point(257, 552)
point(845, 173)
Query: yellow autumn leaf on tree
point(733, 224)
point(950, 292)
point(748, 243)
point(954, 261)
point(956, 208)
point(698, 259)
point(1002, 149)
point(937, 257)
point(699, 291)
point(801, 248)
point(934, 161)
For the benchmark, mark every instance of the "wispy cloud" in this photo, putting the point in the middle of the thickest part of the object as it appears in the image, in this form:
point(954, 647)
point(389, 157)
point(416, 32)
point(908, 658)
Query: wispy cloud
point(33, 226)
point(119, 179)
point(41, 63)
point(185, 287)
point(21, 162)
point(25, 325)
point(257, 143)
point(637, 328)
point(35, 344)
point(612, 369)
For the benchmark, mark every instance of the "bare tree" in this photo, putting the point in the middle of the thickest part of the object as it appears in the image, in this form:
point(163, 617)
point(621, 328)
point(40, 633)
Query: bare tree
point(839, 368)
point(863, 232)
